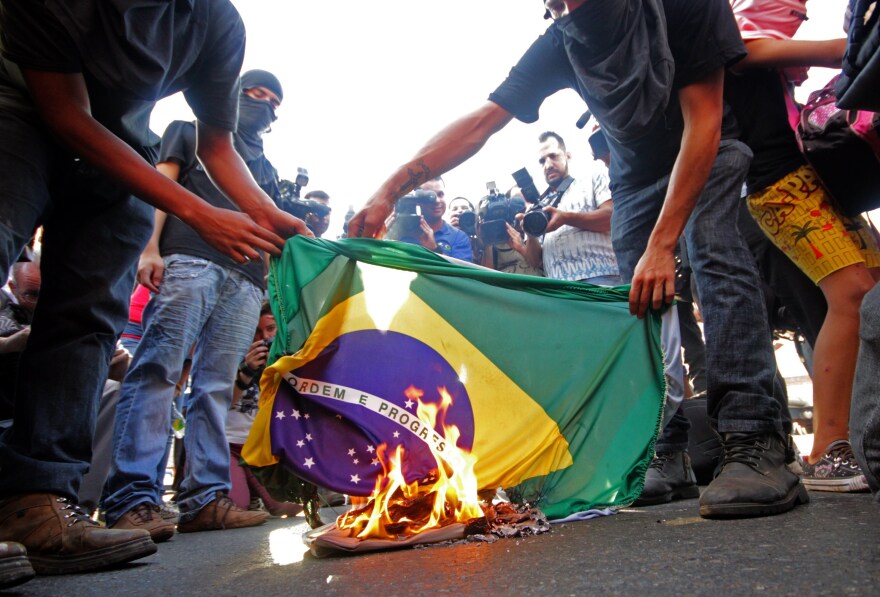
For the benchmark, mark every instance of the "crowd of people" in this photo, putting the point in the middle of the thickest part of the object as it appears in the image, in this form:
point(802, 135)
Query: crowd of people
point(146, 294)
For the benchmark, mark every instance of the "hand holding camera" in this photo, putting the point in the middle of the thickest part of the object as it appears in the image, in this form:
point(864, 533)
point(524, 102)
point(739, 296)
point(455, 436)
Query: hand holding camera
point(256, 356)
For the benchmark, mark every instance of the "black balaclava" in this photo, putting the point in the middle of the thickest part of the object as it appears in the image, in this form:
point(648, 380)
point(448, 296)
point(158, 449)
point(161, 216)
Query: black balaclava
point(254, 118)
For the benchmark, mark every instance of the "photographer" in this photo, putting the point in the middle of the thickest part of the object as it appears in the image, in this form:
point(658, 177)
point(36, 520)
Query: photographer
point(510, 256)
point(458, 206)
point(576, 243)
point(433, 232)
point(243, 410)
point(318, 222)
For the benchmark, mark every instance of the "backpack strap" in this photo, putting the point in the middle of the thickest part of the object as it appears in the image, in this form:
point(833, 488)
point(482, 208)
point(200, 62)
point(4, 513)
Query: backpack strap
point(791, 107)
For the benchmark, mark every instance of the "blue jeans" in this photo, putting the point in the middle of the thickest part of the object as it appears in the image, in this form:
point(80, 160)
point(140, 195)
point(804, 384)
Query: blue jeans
point(94, 234)
point(864, 419)
point(217, 310)
point(740, 364)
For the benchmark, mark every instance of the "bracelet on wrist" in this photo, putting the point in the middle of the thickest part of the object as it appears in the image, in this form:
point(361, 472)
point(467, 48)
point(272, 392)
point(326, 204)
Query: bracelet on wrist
point(246, 369)
point(241, 385)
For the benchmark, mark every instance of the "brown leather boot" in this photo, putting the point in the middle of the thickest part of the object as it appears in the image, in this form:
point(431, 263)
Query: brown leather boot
point(146, 516)
point(14, 566)
point(60, 538)
point(222, 513)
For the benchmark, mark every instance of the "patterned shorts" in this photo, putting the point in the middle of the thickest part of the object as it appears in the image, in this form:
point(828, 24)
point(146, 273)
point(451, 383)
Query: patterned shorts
point(797, 214)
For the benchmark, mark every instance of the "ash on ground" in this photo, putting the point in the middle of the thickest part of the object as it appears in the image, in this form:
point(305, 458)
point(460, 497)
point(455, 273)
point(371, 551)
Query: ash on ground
point(503, 520)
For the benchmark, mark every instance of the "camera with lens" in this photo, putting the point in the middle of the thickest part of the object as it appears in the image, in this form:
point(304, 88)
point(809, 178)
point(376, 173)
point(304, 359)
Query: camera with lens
point(467, 222)
point(535, 219)
point(496, 211)
point(309, 211)
point(408, 213)
point(268, 342)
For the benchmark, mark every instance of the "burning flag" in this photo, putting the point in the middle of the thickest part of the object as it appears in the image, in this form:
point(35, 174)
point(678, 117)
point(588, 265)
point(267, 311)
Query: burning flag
point(553, 389)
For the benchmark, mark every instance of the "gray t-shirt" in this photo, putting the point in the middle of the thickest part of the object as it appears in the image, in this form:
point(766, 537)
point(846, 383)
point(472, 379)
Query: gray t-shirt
point(179, 146)
point(571, 253)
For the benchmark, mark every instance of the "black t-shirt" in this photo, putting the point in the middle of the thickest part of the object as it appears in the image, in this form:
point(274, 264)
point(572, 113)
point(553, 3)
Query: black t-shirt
point(179, 146)
point(132, 57)
point(758, 101)
point(702, 37)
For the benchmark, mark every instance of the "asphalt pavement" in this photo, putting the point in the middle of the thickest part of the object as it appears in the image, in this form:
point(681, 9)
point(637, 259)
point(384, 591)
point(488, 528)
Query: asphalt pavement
point(829, 547)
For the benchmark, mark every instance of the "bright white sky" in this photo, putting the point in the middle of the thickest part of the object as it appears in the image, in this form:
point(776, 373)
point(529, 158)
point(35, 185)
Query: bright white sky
point(367, 83)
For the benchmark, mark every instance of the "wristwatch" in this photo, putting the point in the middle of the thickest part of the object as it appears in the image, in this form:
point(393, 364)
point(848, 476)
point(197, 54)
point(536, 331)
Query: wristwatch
point(245, 368)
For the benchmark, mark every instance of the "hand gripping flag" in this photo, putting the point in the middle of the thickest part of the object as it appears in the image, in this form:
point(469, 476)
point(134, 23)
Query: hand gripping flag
point(556, 389)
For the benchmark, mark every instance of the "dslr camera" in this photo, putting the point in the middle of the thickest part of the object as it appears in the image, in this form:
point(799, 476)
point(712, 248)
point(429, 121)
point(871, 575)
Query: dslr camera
point(467, 222)
point(535, 219)
point(408, 213)
point(308, 210)
point(496, 211)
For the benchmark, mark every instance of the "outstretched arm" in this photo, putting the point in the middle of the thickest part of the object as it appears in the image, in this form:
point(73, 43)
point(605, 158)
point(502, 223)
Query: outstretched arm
point(450, 147)
point(63, 103)
point(654, 277)
point(783, 53)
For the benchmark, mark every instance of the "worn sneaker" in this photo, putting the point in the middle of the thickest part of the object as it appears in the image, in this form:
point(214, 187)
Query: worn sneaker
point(14, 565)
point(222, 513)
point(286, 509)
point(754, 479)
point(146, 516)
point(836, 470)
point(61, 539)
point(669, 477)
point(169, 512)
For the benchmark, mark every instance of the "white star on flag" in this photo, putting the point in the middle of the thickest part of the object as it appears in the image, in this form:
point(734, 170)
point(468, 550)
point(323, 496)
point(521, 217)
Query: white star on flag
point(300, 443)
point(355, 479)
point(309, 436)
point(351, 451)
point(409, 403)
point(296, 414)
point(375, 462)
point(310, 462)
point(307, 416)
point(279, 414)
point(396, 434)
point(356, 461)
point(371, 449)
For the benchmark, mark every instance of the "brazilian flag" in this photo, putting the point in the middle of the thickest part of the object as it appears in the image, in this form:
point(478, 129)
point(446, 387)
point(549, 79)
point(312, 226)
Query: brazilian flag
point(555, 388)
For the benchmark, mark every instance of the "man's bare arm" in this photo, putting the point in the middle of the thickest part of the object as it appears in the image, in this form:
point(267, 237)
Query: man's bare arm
point(594, 221)
point(450, 147)
point(151, 266)
point(783, 53)
point(63, 103)
point(229, 173)
point(702, 108)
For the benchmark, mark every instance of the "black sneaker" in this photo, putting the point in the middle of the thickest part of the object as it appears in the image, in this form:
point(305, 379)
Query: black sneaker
point(669, 477)
point(836, 470)
point(754, 479)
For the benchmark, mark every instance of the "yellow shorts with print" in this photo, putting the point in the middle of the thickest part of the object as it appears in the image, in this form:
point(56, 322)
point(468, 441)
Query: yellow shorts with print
point(797, 214)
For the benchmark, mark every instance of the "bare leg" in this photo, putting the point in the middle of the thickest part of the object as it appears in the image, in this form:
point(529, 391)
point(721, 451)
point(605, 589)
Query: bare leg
point(835, 353)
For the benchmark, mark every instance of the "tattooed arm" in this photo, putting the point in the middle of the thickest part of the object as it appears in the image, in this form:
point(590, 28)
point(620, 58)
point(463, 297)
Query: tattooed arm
point(447, 149)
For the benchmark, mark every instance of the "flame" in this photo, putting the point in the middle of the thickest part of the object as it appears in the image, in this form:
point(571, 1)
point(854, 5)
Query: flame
point(397, 508)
